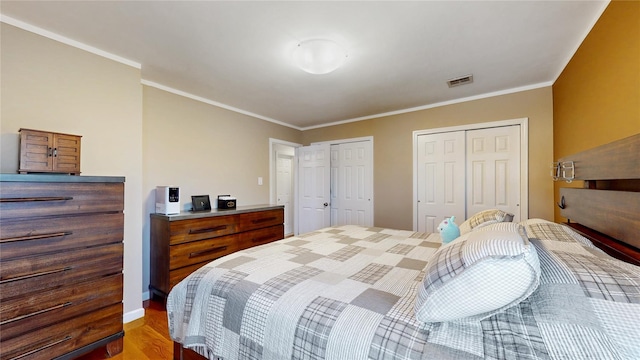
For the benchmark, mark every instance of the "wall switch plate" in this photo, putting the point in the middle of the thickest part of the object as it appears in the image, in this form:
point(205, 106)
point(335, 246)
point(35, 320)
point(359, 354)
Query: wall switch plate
point(260, 180)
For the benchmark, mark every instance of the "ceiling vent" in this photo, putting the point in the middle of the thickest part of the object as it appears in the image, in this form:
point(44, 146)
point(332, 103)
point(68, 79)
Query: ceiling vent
point(467, 79)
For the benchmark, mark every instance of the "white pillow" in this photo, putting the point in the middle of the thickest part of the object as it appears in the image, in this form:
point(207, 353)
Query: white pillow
point(504, 227)
point(484, 218)
point(478, 275)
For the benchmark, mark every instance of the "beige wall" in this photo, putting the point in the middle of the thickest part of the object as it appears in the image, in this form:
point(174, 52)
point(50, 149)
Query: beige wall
point(205, 150)
point(47, 85)
point(393, 159)
point(596, 99)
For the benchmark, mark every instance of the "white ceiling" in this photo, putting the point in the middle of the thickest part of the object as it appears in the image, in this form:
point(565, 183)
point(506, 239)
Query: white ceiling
point(237, 54)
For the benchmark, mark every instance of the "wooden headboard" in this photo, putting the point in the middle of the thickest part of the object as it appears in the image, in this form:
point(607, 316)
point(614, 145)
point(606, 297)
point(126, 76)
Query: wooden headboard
point(607, 208)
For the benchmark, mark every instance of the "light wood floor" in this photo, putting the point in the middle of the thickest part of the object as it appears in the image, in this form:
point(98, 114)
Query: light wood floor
point(144, 339)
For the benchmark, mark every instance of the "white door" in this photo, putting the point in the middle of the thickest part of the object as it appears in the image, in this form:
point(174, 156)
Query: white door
point(284, 188)
point(493, 170)
point(352, 184)
point(313, 187)
point(441, 179)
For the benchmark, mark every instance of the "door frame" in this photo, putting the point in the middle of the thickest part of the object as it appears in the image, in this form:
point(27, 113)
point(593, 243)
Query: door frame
point(524, 159)
point(272, 177)
point(344, 141)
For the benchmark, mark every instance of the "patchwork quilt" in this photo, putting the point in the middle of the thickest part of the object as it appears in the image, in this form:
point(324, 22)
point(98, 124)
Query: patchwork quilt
point(349, 292)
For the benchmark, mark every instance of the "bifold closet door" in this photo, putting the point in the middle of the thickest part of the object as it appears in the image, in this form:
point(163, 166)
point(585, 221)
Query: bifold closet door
point(335, 185)
point(461, 173)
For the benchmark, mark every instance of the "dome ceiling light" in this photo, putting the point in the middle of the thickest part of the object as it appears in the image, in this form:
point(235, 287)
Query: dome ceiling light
point(319, 56)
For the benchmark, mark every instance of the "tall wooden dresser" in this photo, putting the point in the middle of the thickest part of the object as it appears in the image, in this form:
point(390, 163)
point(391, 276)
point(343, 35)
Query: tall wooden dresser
point(61, 258)
point(182, 243)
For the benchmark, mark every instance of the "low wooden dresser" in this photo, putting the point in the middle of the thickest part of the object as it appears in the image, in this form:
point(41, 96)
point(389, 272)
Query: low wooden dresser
point(180, 244)
point(61, 258)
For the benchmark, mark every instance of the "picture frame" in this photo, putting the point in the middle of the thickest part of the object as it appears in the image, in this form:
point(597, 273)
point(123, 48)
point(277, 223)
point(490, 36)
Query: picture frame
point(201, 202)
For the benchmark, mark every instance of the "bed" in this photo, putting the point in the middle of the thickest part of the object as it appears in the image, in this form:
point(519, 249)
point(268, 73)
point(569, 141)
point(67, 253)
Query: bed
point(529, 290)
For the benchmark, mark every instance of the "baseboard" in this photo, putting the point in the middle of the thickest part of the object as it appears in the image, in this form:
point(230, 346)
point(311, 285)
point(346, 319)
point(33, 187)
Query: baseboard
point(133, 315)
point(146, 295)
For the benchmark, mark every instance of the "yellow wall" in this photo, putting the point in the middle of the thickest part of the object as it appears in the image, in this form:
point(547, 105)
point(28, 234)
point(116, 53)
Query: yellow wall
point(596, 99)
point(393, 158)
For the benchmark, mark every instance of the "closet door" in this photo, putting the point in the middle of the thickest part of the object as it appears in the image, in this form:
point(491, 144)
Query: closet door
point(493, 170)
point(462, 172)
point(441, 179)
point(313, 187)
point(352, 184)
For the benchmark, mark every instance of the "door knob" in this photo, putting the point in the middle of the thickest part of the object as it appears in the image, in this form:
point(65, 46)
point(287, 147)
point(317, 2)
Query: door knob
point(326, 204)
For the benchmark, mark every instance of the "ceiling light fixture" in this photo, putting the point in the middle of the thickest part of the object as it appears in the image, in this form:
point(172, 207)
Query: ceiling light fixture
point(319, 56)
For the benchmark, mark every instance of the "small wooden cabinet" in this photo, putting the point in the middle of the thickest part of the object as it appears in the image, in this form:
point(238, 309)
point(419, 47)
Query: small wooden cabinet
point(61, 260)
point(181, 244)
point(49, 152)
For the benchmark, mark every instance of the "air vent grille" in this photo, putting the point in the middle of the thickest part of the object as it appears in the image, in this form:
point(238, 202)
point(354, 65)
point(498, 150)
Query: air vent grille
point(467, 79)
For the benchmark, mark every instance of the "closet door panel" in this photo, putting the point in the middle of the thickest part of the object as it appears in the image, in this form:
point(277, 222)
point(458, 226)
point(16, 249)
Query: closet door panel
point(352, 184)
point(314, 179)
point(493, 170)
point(441, 178)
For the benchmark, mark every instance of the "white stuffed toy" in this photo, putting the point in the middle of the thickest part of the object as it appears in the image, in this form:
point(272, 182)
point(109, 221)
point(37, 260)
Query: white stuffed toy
point(448, 229)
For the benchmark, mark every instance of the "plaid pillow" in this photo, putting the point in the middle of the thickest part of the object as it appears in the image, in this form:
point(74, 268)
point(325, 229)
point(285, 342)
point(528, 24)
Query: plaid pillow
point(478, 275)
point(484, 218)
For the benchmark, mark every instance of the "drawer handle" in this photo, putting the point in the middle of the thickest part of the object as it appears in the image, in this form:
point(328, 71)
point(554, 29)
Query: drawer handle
point(61, 198)
point(211, 229)
point(36, 237)
point(258, 221)
point(46, 346)
point(207, 252)
point(261, 239)
point(42, 273)
point(56, 307)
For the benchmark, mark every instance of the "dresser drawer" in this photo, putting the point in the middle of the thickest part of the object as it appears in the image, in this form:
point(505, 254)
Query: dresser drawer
point(35, 199)
point(25, 237)
point(24, 314)
point(203, 228)
point(21, 276)
point(261, 236)
point(58, 339)
point(261, 219)
point(175, 276)
point(194, 252)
